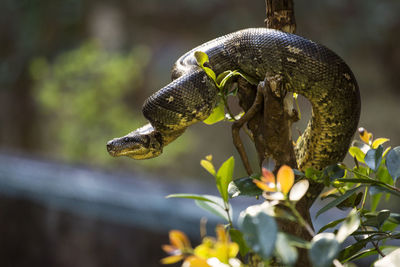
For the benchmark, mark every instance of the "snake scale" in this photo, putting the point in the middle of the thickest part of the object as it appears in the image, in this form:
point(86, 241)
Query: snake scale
point(307, 68)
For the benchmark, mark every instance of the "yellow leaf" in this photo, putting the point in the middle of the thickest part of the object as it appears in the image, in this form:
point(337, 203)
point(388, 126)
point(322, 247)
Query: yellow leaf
point(222, 252)
point(386, 151)
point(208, 166)
point(209, 157)
point(193, 261)
point(171, 259)
point(365, 136)
point(329, 192)
point(204, 250)
point(285, 178)
point(357, 153)
point(379, 141)
point(233, 250)
point(179, 239)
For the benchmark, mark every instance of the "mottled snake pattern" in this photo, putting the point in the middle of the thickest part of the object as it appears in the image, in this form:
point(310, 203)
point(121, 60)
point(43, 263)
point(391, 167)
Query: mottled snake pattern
point(307, 68)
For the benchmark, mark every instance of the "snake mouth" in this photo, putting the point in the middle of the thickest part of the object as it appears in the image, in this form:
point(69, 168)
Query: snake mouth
point(111, 149)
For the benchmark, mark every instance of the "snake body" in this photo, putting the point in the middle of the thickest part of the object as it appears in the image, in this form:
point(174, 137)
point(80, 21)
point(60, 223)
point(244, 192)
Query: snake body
point(307, 68)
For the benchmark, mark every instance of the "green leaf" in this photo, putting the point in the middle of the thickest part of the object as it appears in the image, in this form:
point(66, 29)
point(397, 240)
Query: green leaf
point(383, 174)
point(379, 141)
point(333, 172)
point(359, 255)
point(324, 249)
point(351, 201)
point(259, 230)
point(375, 199)
point(350, 225)
point(360, 180)
point(393, 162)
point(218, 114)
point(357, 153)
point(284, 250)
point(389, 226)
point(216, 207)
point(210, 73)
point(194, 196)
point(201, 58)
point(392, 259)
point(373, 158)
point(222, 75)
point(224, 177)
point(395, 218)
point(209, 203)
point(380, 188)
point(249, 79)
point(331, 225)
point(348, 252)
point(243, 187)
point(361, 171)
point(237, 237)
point(376, 219)
point(338, 200)
point(226, 78)
point(313, 174)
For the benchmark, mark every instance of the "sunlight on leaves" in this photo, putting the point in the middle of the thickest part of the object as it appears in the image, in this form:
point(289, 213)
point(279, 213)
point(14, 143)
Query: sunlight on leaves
point(379, 141)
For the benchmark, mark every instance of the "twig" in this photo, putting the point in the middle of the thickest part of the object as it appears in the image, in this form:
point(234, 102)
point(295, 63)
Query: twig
point(237, 125)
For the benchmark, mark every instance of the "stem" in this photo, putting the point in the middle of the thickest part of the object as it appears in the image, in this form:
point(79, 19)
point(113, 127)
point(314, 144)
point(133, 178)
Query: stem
point(369, 178)
point(224, 99)
point(364, 198)
point(299, 217)
point(376, 246)
point(226, 207)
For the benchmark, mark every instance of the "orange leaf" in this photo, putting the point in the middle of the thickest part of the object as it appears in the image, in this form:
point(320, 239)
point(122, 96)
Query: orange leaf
point(285, 178)
point(365, 136)
point(264, 186)
point(169, 249)
point(171, 259)
point(221, 234)
point(179, 239)
point(268, 177)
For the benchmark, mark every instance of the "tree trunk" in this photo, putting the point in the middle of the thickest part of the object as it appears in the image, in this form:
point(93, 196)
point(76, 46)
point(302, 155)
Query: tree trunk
point(271, 125)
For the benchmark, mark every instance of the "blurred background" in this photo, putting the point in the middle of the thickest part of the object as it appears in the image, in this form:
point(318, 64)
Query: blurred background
point(74, 74)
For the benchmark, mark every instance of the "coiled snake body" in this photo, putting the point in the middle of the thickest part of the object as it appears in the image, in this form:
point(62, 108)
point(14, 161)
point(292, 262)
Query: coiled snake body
point(307, 68)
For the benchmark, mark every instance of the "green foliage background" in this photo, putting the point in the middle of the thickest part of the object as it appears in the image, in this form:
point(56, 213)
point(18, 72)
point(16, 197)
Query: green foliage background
point(84, 96)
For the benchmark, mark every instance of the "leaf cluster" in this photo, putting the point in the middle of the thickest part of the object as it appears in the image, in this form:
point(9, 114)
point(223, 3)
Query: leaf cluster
point(360, 189)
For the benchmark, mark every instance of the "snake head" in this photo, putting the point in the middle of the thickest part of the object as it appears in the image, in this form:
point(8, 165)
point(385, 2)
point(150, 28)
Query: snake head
point(144, 143)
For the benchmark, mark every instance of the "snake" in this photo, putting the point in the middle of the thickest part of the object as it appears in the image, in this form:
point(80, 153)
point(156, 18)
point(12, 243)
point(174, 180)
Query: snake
point(306, 67)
